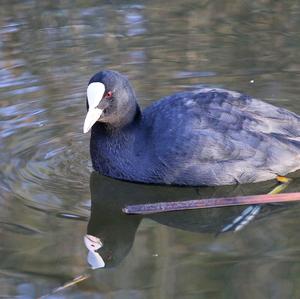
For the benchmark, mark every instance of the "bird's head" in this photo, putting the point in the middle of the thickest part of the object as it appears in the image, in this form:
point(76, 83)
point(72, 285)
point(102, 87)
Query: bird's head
point(110, 99)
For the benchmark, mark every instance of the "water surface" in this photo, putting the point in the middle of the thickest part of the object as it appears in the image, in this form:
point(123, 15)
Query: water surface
point(48, 51)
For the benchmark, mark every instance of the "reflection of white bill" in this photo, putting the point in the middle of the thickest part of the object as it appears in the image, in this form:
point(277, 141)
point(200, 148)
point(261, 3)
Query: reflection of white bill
point(92, 243)
point(95, 260)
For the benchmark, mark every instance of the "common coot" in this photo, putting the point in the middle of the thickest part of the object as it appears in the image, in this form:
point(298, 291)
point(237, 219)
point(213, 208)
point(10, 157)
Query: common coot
point(208, 136)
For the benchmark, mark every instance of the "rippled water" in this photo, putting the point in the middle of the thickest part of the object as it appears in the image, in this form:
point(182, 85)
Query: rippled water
point(48, 51)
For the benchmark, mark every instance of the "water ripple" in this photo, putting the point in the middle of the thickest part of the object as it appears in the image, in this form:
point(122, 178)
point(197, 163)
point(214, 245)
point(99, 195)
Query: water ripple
point(44, 167)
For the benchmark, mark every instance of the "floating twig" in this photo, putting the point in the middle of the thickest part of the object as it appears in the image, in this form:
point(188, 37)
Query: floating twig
point(161, 207)
point(67, 285)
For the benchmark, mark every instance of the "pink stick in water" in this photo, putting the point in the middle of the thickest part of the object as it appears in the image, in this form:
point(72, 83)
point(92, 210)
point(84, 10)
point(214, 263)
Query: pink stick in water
point(160, 207)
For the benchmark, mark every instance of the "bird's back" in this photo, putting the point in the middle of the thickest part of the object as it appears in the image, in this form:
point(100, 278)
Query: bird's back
point(215, 136)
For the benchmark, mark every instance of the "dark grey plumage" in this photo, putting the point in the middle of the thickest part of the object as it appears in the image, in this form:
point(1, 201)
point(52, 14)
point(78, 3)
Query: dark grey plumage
point(208, 136)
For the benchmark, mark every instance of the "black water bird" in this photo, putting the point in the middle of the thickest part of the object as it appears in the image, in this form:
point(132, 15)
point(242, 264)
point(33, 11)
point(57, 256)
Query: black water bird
point(208, 136)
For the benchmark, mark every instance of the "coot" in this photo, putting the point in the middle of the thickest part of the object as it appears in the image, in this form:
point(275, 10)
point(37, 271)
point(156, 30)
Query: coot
point(208, 136)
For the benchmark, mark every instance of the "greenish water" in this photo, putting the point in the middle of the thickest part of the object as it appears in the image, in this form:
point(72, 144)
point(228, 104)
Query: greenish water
point(48, 52)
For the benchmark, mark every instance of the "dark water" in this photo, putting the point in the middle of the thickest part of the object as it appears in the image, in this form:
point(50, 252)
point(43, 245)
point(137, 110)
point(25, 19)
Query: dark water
point(48, 51)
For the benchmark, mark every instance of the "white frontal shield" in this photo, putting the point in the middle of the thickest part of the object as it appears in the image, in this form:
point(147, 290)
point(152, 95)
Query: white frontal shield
point(95, 92)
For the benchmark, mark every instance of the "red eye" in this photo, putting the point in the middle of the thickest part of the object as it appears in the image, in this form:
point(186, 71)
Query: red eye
point(108, 95)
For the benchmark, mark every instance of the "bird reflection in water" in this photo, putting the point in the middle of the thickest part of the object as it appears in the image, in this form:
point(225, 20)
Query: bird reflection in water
point(111, 233)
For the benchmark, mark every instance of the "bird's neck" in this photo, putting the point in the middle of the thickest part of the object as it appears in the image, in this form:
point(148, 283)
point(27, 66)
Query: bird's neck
point(111, 146)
